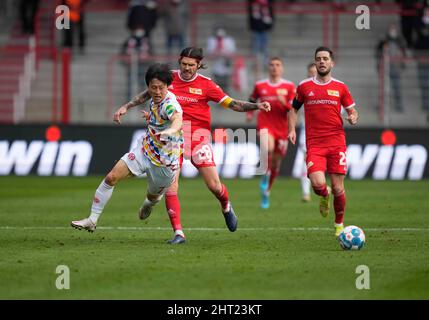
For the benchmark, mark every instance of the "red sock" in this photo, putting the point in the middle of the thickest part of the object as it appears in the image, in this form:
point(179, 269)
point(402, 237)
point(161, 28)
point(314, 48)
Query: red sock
point(223, 197)
point(173, 209)
point(273, 176)
point(339, 206)
point(321, 191)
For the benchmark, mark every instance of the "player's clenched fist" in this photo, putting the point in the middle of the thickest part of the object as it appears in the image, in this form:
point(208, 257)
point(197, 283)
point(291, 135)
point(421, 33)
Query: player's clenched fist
point(265, 106)
point(353, 118)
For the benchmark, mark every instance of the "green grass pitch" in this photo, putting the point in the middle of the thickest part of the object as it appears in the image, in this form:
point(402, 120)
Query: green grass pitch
point(286, 252)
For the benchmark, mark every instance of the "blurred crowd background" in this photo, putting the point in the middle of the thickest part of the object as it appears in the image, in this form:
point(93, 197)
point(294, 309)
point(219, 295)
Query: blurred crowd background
point(80, 75)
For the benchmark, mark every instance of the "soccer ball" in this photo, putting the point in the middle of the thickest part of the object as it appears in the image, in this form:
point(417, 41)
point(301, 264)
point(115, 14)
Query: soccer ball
point(352, 238)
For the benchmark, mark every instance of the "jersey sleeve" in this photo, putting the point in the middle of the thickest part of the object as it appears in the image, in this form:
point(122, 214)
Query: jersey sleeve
point(171, 108)
point(215, 93)
point(298, 101)
point(346, 99)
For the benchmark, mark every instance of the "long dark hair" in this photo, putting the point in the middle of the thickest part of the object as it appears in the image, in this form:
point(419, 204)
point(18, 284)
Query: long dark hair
point(194, 53)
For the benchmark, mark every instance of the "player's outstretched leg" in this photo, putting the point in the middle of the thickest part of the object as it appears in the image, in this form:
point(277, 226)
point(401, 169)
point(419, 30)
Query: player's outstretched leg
point(102, 196)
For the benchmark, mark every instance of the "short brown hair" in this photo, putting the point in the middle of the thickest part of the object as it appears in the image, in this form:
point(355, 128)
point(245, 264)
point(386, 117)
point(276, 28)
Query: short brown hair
point(331, 53)
point(276, 58)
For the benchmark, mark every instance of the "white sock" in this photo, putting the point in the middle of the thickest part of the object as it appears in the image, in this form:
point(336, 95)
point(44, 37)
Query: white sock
point(151, 203)
point(305, 186)
point(179, 232)
point(305, 182)
point(101, 197)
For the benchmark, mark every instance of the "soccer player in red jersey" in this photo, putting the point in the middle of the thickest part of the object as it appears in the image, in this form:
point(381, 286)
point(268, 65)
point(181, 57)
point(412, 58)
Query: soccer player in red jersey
point(194, 91)
point(322, 97)
point(272, 126)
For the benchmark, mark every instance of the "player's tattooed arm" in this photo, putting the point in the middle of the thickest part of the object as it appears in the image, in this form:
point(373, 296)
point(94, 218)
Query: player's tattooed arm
point(250, 114)
point(137, 100)
point(244, 106)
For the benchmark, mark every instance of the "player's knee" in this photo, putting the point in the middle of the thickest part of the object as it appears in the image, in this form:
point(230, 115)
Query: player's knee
point(111, 178)
point(317, 184)
point(337, 190)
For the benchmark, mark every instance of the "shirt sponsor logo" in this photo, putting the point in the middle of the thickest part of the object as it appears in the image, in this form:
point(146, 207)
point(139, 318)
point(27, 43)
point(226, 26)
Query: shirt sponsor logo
point(321, 101)
point(282, 92)
point(195, 91)
point(187, 99)
point(334, 93)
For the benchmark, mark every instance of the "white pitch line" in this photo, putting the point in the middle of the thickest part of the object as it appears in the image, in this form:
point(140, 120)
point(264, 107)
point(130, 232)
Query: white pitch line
point(210, 229)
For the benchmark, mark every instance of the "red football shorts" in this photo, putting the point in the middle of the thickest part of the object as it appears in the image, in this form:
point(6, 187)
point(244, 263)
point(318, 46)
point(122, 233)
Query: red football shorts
point(331, 159)
point(199, 151)
point(280, 141)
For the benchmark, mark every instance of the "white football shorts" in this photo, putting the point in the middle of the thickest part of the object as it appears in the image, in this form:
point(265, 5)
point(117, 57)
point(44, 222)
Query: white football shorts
point(159, 178)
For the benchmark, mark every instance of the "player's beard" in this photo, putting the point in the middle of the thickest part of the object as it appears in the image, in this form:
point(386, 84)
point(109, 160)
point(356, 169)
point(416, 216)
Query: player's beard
point(324, 73)
point(187, 75)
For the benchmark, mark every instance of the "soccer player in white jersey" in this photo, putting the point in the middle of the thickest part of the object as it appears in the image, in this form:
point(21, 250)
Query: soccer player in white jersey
point(157, 154)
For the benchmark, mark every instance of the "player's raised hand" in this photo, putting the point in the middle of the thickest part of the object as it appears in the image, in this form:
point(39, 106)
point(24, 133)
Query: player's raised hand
point(119, 113)
point(145, 115)
point(292, 137)
point(264, 105)
point(353, 117)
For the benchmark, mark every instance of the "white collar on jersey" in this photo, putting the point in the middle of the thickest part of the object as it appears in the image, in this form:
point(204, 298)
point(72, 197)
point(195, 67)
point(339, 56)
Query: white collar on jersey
point(275, 84)
point(314, 79)
point(193, 78)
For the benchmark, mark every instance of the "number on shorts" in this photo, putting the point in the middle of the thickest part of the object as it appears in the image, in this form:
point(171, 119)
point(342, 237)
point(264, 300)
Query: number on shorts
point(343, 159)
point(205, 153)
